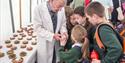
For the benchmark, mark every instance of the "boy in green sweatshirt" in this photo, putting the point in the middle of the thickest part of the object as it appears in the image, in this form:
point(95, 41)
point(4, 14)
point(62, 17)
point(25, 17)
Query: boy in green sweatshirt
point(113, 49)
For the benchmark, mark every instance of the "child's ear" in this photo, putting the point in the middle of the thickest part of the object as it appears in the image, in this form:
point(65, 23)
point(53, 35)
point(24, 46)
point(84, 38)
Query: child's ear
point(95, 16)
point(83, 37)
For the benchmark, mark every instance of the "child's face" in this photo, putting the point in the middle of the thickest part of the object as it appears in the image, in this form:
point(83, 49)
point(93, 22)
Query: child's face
point(72, 21)
point(77, 19)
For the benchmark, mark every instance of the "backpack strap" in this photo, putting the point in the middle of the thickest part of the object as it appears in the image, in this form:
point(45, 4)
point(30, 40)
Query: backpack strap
point(97, 37)
point(100, 43)
point(98, 40)
point(122, 33)
point(124, 45)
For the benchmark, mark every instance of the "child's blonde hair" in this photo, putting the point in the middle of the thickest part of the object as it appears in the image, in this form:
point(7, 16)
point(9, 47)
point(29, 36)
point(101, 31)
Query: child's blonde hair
point(79, 33)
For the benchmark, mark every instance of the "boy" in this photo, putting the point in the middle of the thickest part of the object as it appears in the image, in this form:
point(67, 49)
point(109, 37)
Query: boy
point(113, 48)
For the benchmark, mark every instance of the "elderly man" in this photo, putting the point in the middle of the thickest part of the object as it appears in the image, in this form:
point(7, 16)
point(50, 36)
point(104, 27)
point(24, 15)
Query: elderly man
point(50, 25)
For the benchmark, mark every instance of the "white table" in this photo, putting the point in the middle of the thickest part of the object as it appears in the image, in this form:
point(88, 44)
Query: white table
point(30, 56)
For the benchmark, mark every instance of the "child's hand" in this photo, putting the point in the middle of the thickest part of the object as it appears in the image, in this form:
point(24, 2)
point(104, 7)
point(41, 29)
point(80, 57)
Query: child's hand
point(66, 35)
point(96, 61)
point(63, 40)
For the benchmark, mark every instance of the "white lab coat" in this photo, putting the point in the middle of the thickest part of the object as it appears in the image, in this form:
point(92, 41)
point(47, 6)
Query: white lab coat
point(44, 28)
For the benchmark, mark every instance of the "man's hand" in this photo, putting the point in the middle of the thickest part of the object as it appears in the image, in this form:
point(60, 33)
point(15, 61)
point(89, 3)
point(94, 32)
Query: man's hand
point(57, 37)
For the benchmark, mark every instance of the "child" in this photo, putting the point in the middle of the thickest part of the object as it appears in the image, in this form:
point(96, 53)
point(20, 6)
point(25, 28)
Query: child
point(77, 17)
point(113, 49)
point(80, 18)
point(79, 47)
point(68, 12)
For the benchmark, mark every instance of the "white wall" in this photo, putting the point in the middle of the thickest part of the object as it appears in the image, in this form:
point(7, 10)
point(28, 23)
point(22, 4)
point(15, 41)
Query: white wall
point(5, 16)
point(5, 22)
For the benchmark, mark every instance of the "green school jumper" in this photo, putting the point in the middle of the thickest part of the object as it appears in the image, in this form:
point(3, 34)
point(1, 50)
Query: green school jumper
point(70, 56)
point(111, 43)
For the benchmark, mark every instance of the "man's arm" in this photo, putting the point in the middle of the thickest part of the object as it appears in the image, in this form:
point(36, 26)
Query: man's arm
point(63, 29)
point(38, 26)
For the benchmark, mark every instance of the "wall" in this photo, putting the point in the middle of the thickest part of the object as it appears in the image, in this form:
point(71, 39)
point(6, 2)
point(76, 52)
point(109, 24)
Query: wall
point(5, 15)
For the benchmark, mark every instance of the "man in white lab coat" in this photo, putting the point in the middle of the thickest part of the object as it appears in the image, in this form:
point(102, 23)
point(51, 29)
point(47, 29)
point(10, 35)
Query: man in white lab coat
point(49, 24)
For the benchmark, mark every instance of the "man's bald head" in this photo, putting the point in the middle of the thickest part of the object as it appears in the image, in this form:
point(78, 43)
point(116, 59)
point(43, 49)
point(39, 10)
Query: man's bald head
point(57, 4)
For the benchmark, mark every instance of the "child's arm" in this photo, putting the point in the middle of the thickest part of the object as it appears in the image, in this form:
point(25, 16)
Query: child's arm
point(73, 54)
point(63, 39)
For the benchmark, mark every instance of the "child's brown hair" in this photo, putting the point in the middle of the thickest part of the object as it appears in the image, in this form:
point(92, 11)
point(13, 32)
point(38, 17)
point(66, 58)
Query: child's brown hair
point(95, 8)
point(68, 12)
point(79, 33)
point(80, 10)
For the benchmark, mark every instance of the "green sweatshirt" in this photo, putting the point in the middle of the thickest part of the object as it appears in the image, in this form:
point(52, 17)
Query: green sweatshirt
point(70, 56)
point(111, 43)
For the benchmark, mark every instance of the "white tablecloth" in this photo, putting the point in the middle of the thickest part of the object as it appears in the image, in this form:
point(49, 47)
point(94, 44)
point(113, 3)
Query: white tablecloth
point(30, 56)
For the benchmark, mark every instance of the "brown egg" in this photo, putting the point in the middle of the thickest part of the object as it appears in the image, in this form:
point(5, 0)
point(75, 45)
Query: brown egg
point(31, 28)
point(10, 52)
point(29, 25)
point(15, 35)
point(7, 41)
point(8, 45)
point(20, 38)
point(1, 54)
point(24, 28)
point(34, 43)
point(12, 56)
point(34, 35)
point(23, 53)
point(29, 48)
point(12, 38)
point(29, 38)
point(29, 34)
point(23, 45)
point(14, 60)
point(30, 31)
point(20, 30)
point(23, 35)
point(20, 60)
point(16, 42)
point(25, 42)
point(13, 47)
point(0, 46)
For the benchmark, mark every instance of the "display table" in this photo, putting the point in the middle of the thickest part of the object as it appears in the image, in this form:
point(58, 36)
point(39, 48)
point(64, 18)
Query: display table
point(22, 43)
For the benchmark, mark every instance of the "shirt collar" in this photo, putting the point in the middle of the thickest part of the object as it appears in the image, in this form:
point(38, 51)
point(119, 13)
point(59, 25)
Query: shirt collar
point(77, 44)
